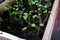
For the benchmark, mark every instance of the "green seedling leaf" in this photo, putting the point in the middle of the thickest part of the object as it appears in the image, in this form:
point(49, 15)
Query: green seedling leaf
point(16, 13)
point(41, 24)
point(39, 9)
point(39, 14)
point(25, 17)
point(16, 5)
point(12, 13)
point(20, 12)
point(13, 8)
point(36, 1)
point(34, 16)
point(1, 19)
point(47, 0)
point(37, 4)
point(33, 25)
point(49, 11)
point(5, 8)
point(9, 27)
point(31, 11)
point(24, 28)
point(45, 11)
point(23, 9)
point(33, 2)
point(35, 10)
point(46, 6)
point(17, 9)
point(26, 14)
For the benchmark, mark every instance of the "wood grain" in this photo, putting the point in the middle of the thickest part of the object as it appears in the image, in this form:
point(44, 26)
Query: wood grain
point(51, 21)
point(5, 3)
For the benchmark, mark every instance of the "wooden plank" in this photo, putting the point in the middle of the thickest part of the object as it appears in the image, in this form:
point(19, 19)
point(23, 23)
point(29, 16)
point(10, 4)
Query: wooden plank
point(50, 25)
point(4, 35)
point(5, 3)
point(3, 38)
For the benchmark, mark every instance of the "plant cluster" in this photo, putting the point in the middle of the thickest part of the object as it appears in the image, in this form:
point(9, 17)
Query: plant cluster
point(30, 13)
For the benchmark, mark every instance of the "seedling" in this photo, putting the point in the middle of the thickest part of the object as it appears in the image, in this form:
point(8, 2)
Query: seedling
point(29, 14)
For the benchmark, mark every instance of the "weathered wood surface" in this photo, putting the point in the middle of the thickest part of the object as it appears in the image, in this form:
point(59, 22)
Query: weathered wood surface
point(4, 35)
point(56, 30)
point(3, 38)
point(5, 3)
point(50, 25)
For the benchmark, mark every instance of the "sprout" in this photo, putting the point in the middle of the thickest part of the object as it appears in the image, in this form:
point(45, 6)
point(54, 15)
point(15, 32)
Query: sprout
point(1, 19)
point(35, 10)
point(46, 6)
point(33, 2)
point(45, 11)
point(41, 24)
point(33, 25)
point(39, 9)
point(6, 8)
point(25, 17)
point(24, 28)
point(17, 9)
point(16, 5)
point(34, 16)
point(23, 9)
point(26, 14)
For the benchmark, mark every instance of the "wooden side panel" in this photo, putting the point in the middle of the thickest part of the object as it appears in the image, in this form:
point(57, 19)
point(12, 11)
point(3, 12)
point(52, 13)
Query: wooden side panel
point(50, 25)
point(5, 3)
point(3, 38)
point(56, 30)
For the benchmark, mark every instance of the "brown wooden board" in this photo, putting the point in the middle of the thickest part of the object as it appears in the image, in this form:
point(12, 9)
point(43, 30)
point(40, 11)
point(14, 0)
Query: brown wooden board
point(51, 21)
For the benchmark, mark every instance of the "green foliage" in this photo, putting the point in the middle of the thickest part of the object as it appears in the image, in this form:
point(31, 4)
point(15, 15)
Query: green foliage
point(33, 25)
point(32, 11)
point(1, 20)
point(25, 28)
point(41, 24)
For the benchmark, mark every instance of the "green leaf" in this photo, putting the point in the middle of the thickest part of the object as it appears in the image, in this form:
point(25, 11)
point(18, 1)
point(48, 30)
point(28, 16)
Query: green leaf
point(23, 9)
point(5, 8)
point(20, 12)
point(37, 4)
point(9, 27)
point(33, 2)
point(24, 28)
point(46, 6)
point(34, 16)
point(12, 13)
point(36, 1)
point(16, 5)
point(21, 6)
point(17, 9)
point(13, 8)
point(26, 14)
point(1, 19)
point(39, 9)
point(31, 11)
point(39, 14)
point(16, 13)
point(45, 11)
point(35, 10)
point(33, 25)
point(41, 24)
point(49, 11)
point(25, 17)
